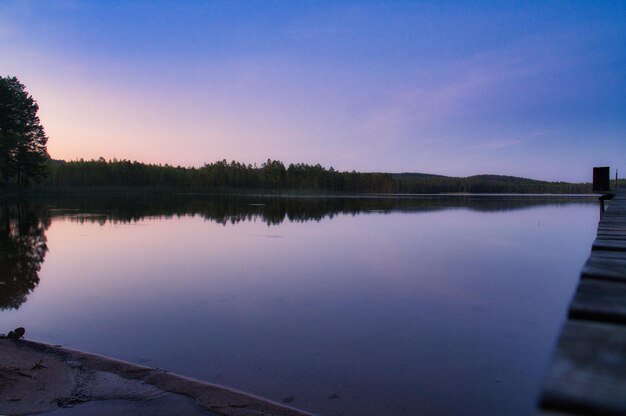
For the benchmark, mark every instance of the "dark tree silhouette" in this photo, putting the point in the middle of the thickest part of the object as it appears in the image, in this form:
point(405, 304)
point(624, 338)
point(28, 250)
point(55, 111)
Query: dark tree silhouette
point(22, 138)
point(273, 177)
point(23, 248)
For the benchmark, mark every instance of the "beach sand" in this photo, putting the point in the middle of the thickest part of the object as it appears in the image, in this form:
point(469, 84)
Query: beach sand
point(42, 378)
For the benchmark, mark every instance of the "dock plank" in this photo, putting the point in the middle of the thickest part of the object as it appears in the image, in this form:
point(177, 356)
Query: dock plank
point(612, 245)
point(588, 370)
point(605, 268)
point(599, 300)
point(599, 254)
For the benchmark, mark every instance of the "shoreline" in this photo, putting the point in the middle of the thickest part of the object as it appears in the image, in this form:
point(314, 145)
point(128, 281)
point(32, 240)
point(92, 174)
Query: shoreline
point(169, 193)
point(36, 377)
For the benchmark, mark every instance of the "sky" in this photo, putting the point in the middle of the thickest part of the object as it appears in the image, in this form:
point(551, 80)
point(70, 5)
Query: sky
point(532, 89)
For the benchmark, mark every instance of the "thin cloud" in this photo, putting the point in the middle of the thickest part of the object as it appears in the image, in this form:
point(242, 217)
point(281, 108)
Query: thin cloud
point(540, 133)
point(501, 79)
point(496, 144)
point(429, 101)
point(506, 143)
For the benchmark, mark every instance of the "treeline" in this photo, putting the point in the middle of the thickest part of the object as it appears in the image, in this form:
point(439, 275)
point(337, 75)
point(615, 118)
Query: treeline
point(273, 176)
point(218, 176)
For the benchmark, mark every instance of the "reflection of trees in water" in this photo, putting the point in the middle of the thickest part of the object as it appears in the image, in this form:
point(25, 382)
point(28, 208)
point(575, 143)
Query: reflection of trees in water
point(23, 244)
point(275, 210)
point(22, 251)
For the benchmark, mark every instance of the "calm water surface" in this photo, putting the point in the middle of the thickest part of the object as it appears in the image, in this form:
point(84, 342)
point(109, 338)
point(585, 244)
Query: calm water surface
point(431, 306)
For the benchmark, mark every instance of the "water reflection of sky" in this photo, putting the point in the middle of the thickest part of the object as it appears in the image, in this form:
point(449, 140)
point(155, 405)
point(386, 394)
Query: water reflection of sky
point(437, 312)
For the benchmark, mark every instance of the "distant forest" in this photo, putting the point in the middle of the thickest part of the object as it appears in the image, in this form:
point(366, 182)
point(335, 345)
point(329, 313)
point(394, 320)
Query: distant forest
point(272, 176)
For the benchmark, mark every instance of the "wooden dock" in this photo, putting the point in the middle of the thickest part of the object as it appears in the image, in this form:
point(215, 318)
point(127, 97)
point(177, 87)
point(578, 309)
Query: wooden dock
point(588, 372)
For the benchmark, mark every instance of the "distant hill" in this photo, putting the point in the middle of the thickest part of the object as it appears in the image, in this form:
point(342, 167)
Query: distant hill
point(427, 183)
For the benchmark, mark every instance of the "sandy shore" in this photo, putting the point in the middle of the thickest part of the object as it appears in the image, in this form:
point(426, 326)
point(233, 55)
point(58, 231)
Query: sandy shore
point(37, 377)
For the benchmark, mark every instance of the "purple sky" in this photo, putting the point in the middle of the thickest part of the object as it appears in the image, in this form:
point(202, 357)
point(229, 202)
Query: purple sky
point(534, 89)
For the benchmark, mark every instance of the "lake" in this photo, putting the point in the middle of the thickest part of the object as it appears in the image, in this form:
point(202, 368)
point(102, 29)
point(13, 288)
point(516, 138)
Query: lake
point(343, 306)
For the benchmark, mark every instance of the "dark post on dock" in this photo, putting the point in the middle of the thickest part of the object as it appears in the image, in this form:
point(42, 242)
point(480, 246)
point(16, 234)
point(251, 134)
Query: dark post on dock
point(601, 179)
point(588, 371)
point(602, 185)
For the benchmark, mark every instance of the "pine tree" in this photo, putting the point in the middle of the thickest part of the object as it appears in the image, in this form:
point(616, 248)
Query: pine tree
point(22, 138)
